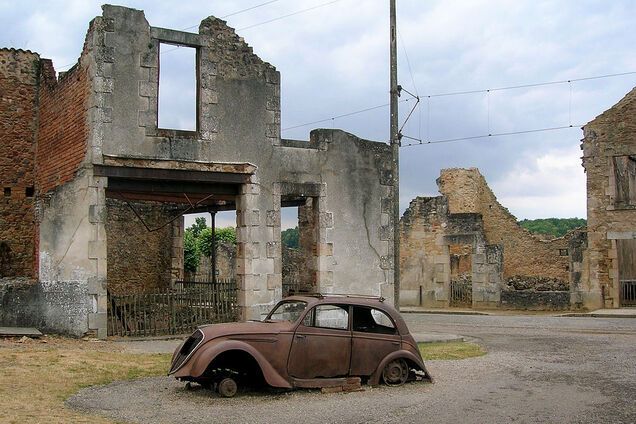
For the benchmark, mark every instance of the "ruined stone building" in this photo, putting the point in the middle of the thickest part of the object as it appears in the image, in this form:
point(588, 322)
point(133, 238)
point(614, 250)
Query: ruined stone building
point(93, 186)
point(464, 248)
point(609, 159)
point(465, 241)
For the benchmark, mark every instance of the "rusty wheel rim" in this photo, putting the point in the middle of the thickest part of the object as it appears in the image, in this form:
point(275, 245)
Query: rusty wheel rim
point(395, 373)
point(227, 387)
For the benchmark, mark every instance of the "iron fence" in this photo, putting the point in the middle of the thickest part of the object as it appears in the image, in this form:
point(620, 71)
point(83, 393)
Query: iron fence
point(172, 311)
point(461, 293)
point(628, 293)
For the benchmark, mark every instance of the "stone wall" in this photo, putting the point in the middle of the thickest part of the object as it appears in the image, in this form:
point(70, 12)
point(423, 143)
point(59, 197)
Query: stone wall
point(465, 235)
point(139, 258)
point(608, 139)
point(225, 264)
point(18, 124)
point(525, 254)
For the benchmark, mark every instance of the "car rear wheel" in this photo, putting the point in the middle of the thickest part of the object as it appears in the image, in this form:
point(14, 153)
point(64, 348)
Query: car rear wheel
point(395, 373)
point(227, 387)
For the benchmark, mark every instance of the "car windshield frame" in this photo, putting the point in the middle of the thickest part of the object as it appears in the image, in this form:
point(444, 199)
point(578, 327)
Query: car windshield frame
point(282, 304)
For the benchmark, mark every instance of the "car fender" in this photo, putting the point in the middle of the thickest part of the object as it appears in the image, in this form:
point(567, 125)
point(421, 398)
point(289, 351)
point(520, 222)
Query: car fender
point(374, 379)
point(209, 351)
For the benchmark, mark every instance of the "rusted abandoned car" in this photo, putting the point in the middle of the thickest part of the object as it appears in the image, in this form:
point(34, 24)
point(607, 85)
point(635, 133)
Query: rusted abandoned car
point(308, 341)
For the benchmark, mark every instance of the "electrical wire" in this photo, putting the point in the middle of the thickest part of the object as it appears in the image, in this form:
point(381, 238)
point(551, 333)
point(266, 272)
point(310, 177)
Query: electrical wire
point(344, 115)
point(538, 84)
point(487, 90)
point(290, 14)
point(237, 12)
point(265, 22)
point(475, 137)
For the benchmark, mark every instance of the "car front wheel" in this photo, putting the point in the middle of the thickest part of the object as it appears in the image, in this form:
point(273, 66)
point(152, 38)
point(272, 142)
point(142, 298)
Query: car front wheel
point(395, 373)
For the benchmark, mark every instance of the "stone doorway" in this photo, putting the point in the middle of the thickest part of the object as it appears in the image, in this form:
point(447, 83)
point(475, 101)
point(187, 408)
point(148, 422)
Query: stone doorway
point(461, 270)
point(626, 252)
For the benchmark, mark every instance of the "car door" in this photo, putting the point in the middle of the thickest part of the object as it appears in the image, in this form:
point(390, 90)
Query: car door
point(321, 347)
point(374, 337)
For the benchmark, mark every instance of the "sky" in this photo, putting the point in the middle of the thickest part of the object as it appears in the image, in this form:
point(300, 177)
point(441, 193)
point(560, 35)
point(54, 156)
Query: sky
point(334, 59)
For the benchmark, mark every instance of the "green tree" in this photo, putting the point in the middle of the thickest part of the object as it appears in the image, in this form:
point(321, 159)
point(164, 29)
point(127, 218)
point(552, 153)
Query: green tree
point(198, 225)
point(225, 234)
point(190, 251)
point(556, 227)
point(290, 238)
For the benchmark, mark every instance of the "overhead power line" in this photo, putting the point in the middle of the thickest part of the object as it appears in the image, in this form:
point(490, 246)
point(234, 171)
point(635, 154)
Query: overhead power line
point(538, 84)
point(344, 115)
point(456, 93)
point(238, 12)
point(298, 12)
point(264, 22)
point(475, 137)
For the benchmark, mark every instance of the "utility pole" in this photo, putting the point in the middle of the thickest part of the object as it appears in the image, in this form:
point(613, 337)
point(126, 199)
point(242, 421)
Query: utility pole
point(395, 168)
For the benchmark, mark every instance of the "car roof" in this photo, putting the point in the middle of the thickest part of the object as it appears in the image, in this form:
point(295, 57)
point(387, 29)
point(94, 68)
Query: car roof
point(355, 299)
point(378, 302)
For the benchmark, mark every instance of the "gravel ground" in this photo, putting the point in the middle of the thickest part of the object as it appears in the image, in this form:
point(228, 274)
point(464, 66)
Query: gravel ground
point(538, 370)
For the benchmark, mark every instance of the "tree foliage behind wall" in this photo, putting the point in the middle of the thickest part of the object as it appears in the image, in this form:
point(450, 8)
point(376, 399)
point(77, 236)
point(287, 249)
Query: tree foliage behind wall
point(556, 227)
point(197, 241)
point(290, 238)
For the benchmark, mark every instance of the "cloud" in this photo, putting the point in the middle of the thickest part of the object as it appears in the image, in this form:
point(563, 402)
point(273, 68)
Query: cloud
point(550, 184)
point(334, 60)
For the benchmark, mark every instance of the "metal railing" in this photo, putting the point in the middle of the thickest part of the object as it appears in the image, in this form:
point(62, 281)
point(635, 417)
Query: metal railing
point(172, 311)
point(461, 293)
point(628, 293)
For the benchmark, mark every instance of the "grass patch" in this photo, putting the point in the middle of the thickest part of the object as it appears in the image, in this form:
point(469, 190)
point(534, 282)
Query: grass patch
point(36, 378)
point(451, 350)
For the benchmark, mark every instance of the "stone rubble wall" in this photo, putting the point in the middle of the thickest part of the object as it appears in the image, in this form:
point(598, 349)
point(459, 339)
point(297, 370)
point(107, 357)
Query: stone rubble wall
point(613, 133)
point(524, 253)
point(466, 235)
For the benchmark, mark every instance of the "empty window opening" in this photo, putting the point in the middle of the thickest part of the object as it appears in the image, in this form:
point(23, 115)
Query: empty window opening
point(29, 191)
point(177, 87)
point(7, 191)
point(625, 181)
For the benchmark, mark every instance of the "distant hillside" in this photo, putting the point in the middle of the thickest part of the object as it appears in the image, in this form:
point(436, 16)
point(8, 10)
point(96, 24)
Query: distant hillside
point(556, 227)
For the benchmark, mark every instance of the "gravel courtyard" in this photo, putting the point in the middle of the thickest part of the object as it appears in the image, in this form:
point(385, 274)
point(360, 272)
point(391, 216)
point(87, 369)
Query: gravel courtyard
point(539, 369)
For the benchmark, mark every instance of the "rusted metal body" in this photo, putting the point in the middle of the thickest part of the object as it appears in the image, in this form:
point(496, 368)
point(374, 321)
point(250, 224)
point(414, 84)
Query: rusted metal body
point(308, 341)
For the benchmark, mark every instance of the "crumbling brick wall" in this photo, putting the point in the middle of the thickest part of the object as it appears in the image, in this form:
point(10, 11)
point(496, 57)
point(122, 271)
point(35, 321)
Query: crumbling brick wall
point(63, 127)
point(609, 140)
point(139, 260)
point(18, 124)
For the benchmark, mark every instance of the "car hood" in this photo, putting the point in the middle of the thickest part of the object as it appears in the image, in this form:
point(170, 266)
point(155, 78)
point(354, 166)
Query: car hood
point(251, 327)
